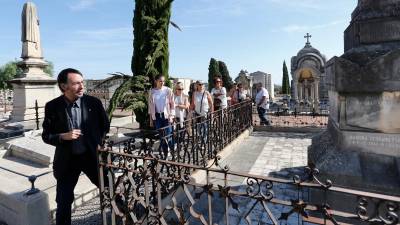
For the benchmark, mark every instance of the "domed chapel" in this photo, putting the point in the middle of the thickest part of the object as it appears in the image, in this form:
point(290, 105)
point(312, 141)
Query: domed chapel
point(308, 74)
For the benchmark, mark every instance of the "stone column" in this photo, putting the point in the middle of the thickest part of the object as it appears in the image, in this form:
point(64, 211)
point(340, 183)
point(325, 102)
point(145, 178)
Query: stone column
point(317, 91)
point(312, 87)
point(301, 92)
point(306, 92)
point(296, 93)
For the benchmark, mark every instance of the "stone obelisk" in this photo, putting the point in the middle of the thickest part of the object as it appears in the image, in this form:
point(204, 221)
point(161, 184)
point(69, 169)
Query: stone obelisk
point(33, 84)
point(362, 146)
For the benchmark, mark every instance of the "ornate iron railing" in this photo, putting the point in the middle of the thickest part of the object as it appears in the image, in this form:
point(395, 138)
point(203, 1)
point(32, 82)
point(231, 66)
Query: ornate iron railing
point(147, 190)
point(165, 177)
point(193, 141)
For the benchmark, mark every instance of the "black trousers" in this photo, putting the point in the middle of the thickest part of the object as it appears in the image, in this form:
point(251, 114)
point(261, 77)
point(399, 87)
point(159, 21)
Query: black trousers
point(66, 184)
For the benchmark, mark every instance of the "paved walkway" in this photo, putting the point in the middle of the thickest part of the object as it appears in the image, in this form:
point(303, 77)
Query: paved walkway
point(263, 153)
point(281, 151)
point(268, 154)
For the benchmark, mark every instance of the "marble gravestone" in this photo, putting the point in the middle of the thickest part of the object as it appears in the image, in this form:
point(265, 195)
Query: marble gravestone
point(33, 84)
point(362, 150)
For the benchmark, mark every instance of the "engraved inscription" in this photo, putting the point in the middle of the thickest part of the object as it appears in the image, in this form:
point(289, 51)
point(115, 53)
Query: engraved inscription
point(379, 32)
point(374, 141)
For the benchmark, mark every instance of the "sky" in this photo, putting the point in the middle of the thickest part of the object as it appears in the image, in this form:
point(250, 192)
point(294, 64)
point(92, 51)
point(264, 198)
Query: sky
point(96, 36)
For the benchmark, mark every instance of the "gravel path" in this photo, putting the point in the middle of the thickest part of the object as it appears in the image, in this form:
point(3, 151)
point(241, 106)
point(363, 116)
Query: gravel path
point(87, 214)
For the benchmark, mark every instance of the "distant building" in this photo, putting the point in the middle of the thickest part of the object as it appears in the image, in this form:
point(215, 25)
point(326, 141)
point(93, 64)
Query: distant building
point(266, 80)
point(186, 84)
point(104, 89)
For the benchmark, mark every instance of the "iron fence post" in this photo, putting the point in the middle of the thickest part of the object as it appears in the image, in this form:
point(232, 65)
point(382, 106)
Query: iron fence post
point(33, 190)
point(37, 114)
point(5, 102)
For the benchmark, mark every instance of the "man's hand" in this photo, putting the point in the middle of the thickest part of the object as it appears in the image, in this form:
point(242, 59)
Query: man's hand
point(72, 135)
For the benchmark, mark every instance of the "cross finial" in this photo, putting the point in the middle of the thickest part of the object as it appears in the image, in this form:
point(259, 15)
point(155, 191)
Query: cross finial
point(308, 36)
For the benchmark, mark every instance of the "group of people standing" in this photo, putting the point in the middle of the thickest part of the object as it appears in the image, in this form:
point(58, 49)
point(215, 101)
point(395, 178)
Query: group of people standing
point(167, 106)
point(76, 124)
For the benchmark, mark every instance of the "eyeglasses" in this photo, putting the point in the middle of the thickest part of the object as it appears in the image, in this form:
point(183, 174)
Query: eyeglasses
point(180, 89)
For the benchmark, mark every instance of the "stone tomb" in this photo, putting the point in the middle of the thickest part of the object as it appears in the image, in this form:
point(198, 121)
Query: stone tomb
point(363, 146)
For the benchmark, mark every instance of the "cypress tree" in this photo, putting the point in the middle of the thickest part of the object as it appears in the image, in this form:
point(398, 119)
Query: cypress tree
point(150, 57)
point(226, 79)
point(213, 71)
point(150, 26)
point(285, 80)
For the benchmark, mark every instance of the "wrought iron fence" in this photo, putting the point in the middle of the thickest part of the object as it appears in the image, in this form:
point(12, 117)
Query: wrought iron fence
point(164, 177)
point(33, 113)
point(147, 190)
point(193, 141)
point(286, 118)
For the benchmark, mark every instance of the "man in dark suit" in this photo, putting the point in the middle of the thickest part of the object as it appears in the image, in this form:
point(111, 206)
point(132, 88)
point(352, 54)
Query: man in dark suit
point(76, 124)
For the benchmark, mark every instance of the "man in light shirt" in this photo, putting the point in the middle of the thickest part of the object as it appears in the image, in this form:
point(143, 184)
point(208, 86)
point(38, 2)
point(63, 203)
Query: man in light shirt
point(262, 104)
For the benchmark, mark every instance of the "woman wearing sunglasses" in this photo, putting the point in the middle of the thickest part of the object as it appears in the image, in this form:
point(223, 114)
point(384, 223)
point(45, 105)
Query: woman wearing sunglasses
point(181, 104)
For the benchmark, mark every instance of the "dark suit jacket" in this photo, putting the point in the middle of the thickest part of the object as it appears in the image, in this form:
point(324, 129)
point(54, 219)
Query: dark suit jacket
point(95, 125)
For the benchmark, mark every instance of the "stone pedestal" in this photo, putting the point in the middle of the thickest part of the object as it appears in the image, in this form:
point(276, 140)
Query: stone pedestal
point(363, 150)
point(31, 86)
point(17, 208)
point(26, 92)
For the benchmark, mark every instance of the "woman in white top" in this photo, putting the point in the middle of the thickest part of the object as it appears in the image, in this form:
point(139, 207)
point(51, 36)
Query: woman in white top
point(181, 104)
point(202, 102)
point(219, 94)
point(162, 112)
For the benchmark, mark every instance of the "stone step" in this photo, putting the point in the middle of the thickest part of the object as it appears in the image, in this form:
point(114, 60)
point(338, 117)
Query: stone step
point(31, 148)
point(3, 152)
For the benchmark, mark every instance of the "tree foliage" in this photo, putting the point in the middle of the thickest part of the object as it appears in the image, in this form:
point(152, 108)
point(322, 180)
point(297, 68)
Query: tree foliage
point(285, 80)
point(132, 95)
point(8, 72)
point(49, 69)
point(151, 51)
point(213, 71)
point(226, 79)
point(150, 57)
point(11, 70)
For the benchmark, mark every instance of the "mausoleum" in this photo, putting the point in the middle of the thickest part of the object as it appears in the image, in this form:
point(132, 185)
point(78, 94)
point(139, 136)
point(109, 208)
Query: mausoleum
point(308, 74)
